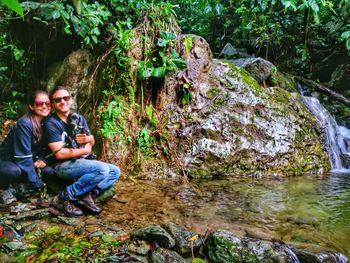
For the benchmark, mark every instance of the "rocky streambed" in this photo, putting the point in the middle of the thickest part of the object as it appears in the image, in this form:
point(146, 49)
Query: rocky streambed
point(217, 221)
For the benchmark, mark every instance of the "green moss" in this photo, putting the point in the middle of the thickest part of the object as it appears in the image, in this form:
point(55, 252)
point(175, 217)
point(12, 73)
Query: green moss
point(280, 95)
point(213, 92)
point(223, 250)
point(246, 78)
point(218, 103)
point(282, 80)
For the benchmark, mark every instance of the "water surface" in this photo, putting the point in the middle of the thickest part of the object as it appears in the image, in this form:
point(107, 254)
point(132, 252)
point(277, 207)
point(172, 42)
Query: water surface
point(301, 210)
point(306, 211)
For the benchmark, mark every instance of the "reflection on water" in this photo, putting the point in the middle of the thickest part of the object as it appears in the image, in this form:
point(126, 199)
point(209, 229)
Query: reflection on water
point(296, 210)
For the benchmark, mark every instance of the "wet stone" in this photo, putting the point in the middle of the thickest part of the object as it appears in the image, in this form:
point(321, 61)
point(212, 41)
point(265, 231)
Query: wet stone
point(163, 255)
point(14, 245)
point(154, 233)
point(72, 221)
point(318, 257)
point(139, 247)
point(267, 251)
point(106, 195)
point(182, 238)
point(30, 215)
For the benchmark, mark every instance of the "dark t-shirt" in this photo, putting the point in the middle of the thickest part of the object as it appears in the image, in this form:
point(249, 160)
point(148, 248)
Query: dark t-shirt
point(19, 147)
point(56, 130)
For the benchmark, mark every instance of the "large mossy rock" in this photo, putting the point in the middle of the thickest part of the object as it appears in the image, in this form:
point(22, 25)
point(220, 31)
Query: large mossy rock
point(224, 247)
point(74, 72)
point(234, 126)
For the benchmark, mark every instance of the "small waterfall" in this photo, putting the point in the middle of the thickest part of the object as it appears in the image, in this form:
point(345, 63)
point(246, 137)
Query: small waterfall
point(337, 137)
point(293, 258)
point(332, 257)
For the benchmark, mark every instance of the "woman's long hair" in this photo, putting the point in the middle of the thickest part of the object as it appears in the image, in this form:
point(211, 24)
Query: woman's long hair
point(37, 129)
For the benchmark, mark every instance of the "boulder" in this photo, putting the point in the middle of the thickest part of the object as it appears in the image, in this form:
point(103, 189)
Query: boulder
point(74, 72)
point(182, 237)
point(233, 126)
point(259, 68)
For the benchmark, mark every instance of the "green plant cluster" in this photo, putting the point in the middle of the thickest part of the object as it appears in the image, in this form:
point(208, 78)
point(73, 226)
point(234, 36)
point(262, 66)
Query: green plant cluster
point(286, 32)
point(159, 66)
point(54, 248)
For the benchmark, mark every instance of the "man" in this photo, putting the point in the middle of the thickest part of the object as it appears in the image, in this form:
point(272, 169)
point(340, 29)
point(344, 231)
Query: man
point(90, 177)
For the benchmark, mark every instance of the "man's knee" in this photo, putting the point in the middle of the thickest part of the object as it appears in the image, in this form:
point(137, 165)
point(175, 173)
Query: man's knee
point(114, 171)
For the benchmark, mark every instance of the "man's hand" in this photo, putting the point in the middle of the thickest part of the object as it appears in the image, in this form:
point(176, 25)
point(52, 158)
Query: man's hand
point(82, 138)
point(39, 164)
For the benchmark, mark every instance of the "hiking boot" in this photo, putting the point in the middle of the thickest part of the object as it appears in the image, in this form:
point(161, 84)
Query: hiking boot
point(7, 197)
point(88, 201)
point(65, 205)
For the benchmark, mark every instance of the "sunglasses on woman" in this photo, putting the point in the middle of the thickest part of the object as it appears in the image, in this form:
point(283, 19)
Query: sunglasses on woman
point(40, 103)
point(59, 99)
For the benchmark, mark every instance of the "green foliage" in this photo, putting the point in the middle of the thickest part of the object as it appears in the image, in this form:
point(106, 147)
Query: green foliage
point(13, 5)
point(287, 32)
point(188, 44)
point(346, 37)
point(123, 37)
point(198, 260)
point(186, 96)
point(10, 108)
point(151, 116)
point(113, 119)
point(54, 248)
point(13, 60)
point(166, 62)
point(91, 19)
point(143, 139)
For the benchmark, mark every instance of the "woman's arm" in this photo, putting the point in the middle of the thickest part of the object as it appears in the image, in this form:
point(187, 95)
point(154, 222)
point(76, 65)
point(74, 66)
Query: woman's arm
point(22, 148)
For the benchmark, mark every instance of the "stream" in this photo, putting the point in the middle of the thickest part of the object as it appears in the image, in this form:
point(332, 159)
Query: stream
point(306, 211)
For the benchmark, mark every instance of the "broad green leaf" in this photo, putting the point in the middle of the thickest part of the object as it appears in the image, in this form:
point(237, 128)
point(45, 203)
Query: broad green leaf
point(179, 63)
point(167, 35)
point(174, 54)
point(78, 6)
point(314, 6)
point(345, 34)
point(151, 118)
point(145, 69)
point(14, 6)
point(218, 9)
point(159, 72)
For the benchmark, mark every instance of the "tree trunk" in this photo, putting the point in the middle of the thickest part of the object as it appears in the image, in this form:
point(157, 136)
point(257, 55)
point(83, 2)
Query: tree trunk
point(323, 89)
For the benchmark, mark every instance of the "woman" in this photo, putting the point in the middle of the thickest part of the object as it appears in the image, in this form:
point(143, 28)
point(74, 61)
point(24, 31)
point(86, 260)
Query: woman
point(20, 150)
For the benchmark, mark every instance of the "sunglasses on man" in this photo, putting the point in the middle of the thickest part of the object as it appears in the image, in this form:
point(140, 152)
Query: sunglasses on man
point(59, 99)
point(40, 103)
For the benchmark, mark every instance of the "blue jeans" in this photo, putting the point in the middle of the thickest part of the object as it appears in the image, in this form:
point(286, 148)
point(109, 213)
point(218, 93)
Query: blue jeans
point(87, 175)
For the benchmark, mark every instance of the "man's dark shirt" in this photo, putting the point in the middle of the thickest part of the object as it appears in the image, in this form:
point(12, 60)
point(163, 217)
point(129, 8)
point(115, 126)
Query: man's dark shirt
point(56, 130)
